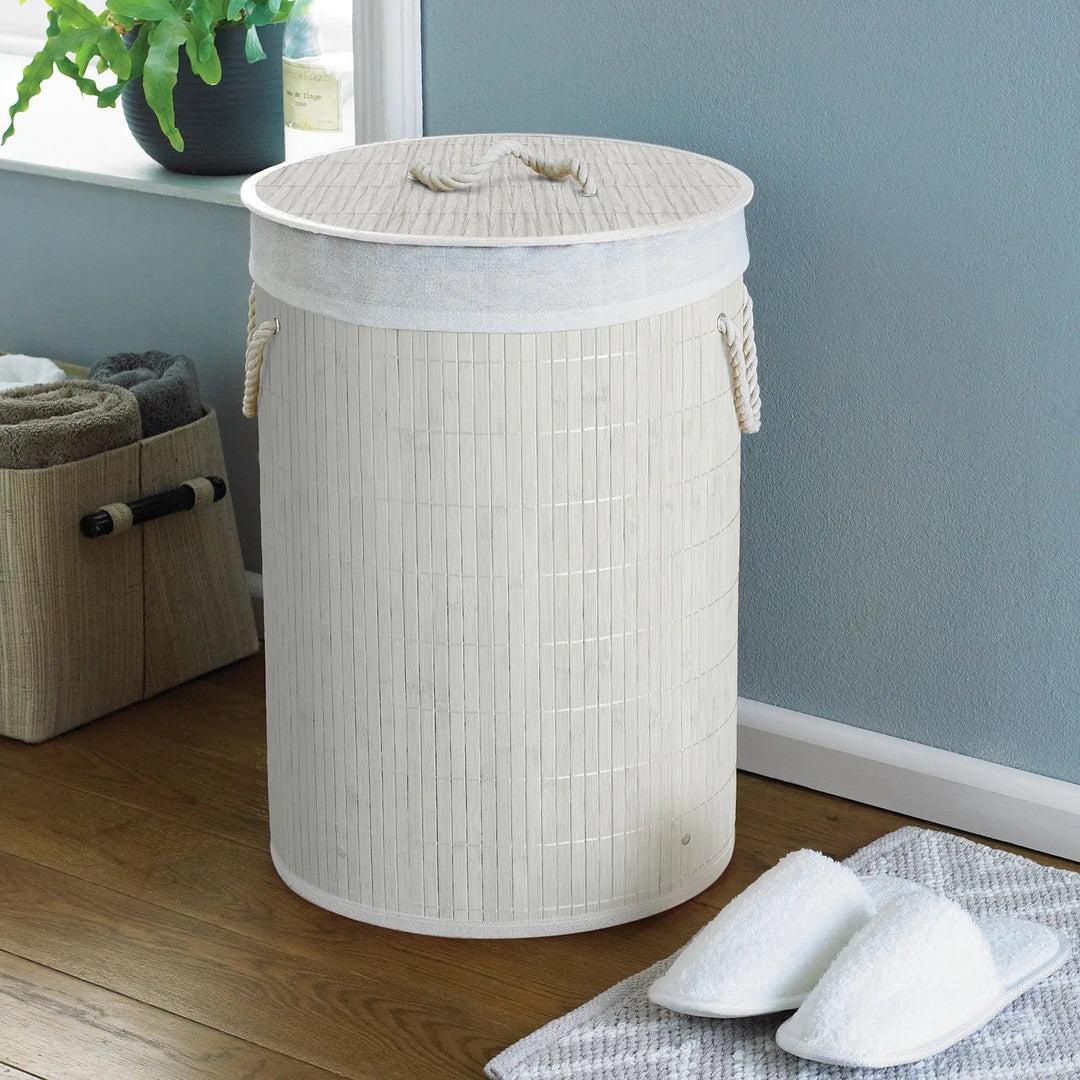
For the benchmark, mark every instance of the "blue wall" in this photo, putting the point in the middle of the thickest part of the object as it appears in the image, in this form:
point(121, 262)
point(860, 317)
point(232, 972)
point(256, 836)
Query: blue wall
point(87, 270)
point(911, 511)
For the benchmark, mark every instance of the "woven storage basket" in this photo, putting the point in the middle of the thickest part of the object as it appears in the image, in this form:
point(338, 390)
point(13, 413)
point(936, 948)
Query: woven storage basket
point(89, 626)
point(499, 443)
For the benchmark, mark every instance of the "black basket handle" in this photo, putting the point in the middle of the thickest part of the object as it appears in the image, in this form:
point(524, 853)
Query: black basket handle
point(119, 517)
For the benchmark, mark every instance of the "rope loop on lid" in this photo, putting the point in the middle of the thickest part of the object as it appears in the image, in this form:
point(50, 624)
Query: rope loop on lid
point(553, 170)
point(738, 334)
point(258, 337)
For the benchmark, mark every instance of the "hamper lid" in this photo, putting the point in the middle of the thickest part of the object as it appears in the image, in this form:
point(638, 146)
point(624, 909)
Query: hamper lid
point(365, 192)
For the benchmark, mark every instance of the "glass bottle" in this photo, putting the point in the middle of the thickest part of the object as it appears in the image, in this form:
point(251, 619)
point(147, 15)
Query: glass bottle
point(318, 78)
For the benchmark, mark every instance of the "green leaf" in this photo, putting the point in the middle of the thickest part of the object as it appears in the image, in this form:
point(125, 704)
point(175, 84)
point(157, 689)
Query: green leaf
point(53, 29)
point(253, 47)
point(41, 66)
point(74, 37)
point(77, 14)
point(34, 74)
point(114, 52)
point(201, 51)
point(257, 15)
point(137, 51)
point(85, 53)
point(66, 66)
point(144, 10)
point(202, 16)
point(107, 97)
point(205, 63)
point(234, 9)
point(159, 74)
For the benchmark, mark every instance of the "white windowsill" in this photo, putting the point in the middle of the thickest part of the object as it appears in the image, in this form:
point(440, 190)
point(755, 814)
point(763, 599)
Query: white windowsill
point(67, 136)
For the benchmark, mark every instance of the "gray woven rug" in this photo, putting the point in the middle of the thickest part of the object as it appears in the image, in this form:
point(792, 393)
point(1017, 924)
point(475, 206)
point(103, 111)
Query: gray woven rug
point(621, 1036)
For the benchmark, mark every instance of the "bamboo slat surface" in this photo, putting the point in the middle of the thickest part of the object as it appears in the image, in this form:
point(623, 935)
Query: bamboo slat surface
point(364, 192)
point(501, 603)
point(144, 932)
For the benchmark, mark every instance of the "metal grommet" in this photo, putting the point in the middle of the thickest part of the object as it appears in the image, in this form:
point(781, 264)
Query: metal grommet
point(721, 318)
point(277, 325)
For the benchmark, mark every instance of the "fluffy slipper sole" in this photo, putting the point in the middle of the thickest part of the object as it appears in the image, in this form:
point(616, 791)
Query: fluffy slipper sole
point(919, 977)
point(768, 947)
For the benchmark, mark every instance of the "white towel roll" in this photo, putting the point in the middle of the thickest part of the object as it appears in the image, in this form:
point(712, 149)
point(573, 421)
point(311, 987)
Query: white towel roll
point(19, 370)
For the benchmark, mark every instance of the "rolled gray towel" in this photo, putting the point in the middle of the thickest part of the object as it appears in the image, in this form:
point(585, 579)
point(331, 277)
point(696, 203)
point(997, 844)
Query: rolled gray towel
point(53, 423)
point(167, 387)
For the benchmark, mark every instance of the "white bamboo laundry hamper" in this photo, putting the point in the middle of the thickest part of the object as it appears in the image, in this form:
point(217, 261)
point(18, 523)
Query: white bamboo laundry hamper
point(500, 424)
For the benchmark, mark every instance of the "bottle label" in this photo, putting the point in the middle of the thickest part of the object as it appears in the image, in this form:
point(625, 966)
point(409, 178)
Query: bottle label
point(312, 97)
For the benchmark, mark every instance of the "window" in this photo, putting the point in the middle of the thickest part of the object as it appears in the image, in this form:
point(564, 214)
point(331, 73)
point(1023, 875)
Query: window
point(22, 26)
point(63, 133)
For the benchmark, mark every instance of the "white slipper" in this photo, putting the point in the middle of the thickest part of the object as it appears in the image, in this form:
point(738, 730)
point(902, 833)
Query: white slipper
point(917, 978)
point(767, 948)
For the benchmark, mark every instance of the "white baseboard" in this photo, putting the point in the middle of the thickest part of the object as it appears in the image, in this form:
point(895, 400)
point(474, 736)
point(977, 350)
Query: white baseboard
point(950, 789)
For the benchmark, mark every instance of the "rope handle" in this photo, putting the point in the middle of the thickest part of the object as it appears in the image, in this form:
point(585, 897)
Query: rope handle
point(738, 335)
point(553, 170)
point(258, 337)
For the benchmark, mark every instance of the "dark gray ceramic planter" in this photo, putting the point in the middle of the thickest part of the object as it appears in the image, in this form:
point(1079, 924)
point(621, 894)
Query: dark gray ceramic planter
point(234, 127)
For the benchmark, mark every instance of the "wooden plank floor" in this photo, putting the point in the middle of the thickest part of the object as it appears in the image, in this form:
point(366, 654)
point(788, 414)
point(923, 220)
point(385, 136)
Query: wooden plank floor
point(144, 933)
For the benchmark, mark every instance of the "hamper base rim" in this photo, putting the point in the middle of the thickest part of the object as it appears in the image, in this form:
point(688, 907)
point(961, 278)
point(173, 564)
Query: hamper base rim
point(433, 926)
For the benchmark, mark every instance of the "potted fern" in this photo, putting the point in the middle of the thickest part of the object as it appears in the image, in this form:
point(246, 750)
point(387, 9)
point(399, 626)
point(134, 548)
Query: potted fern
point(200, 80)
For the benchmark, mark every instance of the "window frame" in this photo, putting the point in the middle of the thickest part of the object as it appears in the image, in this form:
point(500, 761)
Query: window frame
point(388, 70)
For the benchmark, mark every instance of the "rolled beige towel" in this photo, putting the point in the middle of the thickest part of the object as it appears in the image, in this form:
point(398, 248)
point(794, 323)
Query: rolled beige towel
point(54, 423)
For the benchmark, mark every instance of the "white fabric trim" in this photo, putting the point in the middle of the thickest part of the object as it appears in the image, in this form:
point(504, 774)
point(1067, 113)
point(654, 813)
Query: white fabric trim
point(496, 289)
